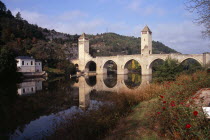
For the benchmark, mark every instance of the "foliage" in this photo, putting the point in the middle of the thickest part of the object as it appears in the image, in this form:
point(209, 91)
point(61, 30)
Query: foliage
point(8, 66)
point(170, 68)
point(113, 44)
point(167, 71)
point(134, 66)
point(93, 124)
point(175, 112)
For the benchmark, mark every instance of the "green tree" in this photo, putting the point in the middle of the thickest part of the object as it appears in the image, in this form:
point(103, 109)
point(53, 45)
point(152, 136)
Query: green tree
point(8, 65)
point(167, 71)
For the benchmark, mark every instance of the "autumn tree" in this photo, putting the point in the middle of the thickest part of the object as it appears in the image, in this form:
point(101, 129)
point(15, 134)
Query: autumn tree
point(202, 8)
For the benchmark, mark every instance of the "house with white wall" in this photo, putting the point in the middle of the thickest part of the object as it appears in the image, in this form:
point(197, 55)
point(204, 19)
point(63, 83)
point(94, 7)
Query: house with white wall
point(28, 64)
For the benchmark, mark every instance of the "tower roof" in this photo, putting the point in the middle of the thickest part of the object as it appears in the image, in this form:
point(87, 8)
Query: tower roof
point(146, 29)
point(83, 36)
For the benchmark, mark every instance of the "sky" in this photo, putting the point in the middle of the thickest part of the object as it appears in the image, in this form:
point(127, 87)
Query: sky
point(169, 20)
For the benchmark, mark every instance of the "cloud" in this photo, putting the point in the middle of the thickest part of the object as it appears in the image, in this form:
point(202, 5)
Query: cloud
point(79, 22)
point(32, 17)
point(143, 9)
point(70, 15)
point(134, 5)
point(184, 37)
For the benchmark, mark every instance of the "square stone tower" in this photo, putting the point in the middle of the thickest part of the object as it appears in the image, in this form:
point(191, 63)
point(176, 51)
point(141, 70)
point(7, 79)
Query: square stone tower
point(83, 50)
point(146, 41)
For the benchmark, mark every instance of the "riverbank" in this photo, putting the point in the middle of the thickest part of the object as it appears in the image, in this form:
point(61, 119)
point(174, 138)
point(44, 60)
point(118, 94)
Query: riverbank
point(170, 115)
point(156, 111)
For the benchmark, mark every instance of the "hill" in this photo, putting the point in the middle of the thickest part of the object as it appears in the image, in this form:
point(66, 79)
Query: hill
point(55, 49)
point(114, 44)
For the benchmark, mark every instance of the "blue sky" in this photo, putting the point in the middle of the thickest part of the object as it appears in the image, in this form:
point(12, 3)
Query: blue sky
point(168, 19)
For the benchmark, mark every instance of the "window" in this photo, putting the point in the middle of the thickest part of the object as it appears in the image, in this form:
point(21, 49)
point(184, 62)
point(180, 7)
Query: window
point(32, 89)
point(31, 62)
point(27, 63)
point(39, 63)
point(22, 62)
point(23, 90)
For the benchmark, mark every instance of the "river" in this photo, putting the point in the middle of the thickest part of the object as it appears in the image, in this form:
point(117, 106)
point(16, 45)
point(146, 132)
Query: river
point(35, 107)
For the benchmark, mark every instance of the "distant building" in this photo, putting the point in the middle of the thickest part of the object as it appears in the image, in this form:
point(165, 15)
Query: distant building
point(28, 64)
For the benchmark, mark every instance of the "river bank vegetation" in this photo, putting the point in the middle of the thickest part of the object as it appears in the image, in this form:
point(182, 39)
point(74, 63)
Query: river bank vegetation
point(171, 114)
point(160, 110)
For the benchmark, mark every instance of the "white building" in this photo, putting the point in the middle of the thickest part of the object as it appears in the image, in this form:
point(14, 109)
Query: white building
point(28, 64)
point(29, 87)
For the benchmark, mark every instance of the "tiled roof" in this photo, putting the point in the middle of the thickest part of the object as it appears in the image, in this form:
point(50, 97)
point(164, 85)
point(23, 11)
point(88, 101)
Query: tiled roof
point(83, 36)
point(146, 29)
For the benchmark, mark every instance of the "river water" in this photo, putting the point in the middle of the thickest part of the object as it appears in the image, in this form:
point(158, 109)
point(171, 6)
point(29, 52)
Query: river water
point(37, 106)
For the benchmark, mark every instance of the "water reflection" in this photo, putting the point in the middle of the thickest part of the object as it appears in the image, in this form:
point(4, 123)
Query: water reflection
point(110, 80)
point(110, 83)
point(133, 81)
point(30, 86)
point(38, 114)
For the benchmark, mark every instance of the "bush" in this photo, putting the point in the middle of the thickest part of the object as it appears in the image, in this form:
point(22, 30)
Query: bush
point(175, 112)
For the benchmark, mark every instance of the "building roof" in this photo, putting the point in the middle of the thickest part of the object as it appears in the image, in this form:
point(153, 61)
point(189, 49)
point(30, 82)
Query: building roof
point(83, 36)
point(25, 57)
point(146, 29)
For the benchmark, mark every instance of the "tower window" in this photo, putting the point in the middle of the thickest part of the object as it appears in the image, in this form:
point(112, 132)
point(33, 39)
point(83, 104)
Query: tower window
point(22, 62)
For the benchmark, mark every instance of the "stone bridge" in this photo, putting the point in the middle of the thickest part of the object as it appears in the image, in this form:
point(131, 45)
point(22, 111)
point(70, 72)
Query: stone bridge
point(145, 59)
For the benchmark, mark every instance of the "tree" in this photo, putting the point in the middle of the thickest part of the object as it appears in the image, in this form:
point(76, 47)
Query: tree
point(18, 16)
point(9, 13)
point(2, 7)
point(167, 71)
point(8, 65)
point(201, 7)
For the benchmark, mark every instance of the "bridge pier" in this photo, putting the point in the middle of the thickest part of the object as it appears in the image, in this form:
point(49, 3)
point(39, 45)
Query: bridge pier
point(146, 70)
point(120, 69)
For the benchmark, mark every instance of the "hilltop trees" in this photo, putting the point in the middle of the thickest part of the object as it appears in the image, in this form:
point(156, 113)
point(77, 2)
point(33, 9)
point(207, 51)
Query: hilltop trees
point(18, 16)
point(2, 7)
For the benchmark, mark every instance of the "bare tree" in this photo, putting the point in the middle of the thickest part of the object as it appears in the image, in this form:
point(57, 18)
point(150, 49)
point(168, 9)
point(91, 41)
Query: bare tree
point(202, 8)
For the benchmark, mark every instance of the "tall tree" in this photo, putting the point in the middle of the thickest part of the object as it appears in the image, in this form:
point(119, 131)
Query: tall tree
point(18, 16)
point(2, 7)
point(202, 8)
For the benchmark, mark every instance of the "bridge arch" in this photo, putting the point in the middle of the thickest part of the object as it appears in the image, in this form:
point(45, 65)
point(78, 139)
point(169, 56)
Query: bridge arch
point(110, 66)
point(190, 65)
point(90, 66)
point(154, 63)
point(191, 58)
point(132, 65)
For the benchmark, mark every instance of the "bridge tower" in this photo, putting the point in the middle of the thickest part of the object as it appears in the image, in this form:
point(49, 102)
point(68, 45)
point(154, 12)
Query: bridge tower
point(146, 41)
point(83, 50)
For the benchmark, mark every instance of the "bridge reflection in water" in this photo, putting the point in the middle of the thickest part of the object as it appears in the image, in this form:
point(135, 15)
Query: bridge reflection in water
point(109, 83)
